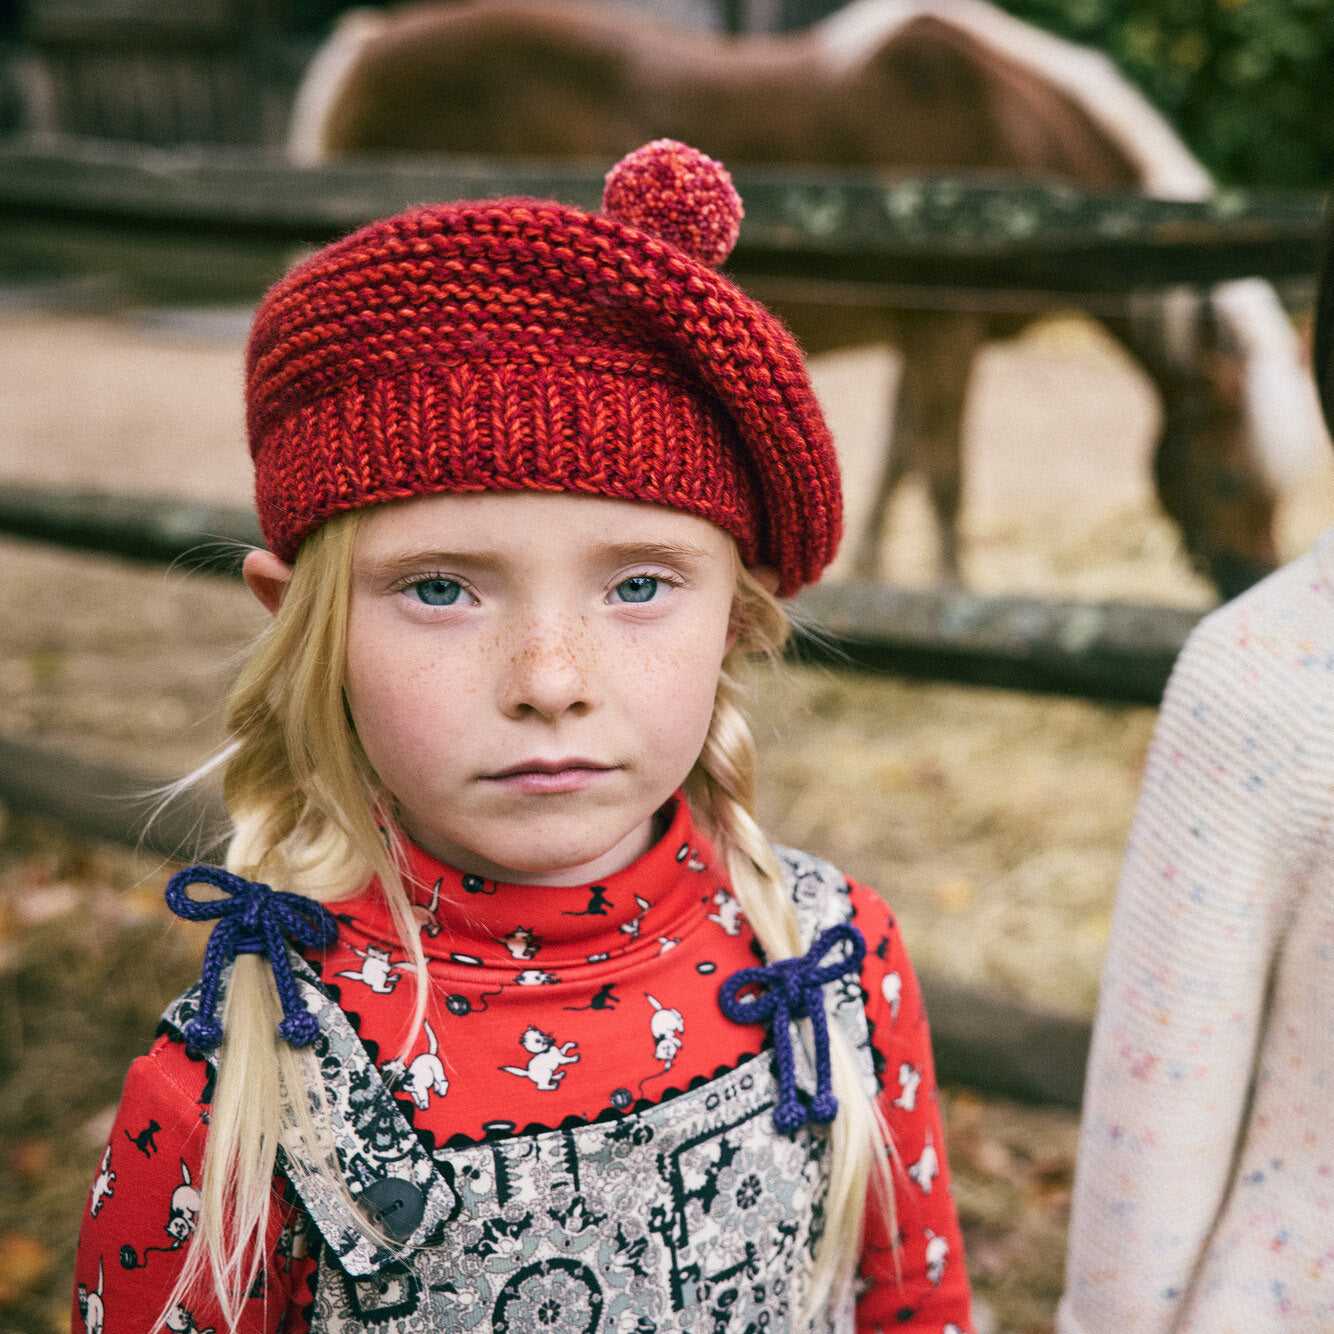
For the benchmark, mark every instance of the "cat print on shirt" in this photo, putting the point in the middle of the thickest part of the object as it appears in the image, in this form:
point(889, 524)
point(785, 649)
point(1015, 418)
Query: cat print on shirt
point(605, 998)
point(378, 971)
point(665, 1027)
point(909, 1079)
point(423, 1076)
point(728, 915)
point(546, 1057)
point(523, 942)
point(105, 1185)
point(181, 1321)
point(146, 1139)
point(184, 1211)
point(891, 988)
point(927, 1168)
point(631, 928)
point(182, 1218)
point(425, 915)
point(535, 977)
point(598, 903)
point(937, 1252)
point(92, 1310)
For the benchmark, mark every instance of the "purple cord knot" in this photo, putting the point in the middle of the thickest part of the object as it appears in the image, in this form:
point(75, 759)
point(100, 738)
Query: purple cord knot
point(253, 921)
point(793, 989)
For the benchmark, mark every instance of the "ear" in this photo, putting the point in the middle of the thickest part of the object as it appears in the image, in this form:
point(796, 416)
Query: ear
point(267, 578)
point(767, 577)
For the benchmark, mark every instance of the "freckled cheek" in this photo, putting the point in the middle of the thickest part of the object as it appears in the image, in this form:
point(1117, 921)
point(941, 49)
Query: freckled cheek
point(673, 693)
point(405, 701)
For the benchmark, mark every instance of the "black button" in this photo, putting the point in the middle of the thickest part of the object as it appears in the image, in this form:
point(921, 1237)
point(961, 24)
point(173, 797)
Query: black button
point(396, 1206)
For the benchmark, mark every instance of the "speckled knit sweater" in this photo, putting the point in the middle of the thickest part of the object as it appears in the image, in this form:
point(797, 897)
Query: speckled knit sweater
point(1204, 1197)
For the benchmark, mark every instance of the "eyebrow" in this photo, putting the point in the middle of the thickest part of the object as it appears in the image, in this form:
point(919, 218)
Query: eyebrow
point(485, 560)
point(628, 552)
point(407, 562)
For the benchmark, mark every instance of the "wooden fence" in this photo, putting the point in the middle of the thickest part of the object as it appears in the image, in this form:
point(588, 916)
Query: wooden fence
point(167, 71)
point(218, 224)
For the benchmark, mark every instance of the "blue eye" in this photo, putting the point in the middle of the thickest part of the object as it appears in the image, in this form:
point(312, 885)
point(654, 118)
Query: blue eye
point(638, 588)
point(437, 592)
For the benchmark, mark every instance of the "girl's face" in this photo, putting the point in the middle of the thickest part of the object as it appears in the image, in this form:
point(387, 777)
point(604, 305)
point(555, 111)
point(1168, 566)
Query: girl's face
point(532, 675)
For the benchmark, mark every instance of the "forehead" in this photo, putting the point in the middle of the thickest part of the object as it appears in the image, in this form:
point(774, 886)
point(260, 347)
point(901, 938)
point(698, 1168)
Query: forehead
point(533, 524)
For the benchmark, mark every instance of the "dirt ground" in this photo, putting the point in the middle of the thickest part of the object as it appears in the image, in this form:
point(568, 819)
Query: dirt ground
point(993, 822)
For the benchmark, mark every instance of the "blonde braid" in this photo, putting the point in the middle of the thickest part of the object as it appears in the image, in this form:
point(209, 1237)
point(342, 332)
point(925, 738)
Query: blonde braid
point(304, 804)
point(725, 780)
point(722, 791)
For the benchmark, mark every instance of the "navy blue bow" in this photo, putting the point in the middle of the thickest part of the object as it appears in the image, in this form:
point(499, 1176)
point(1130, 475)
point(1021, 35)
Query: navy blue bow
point(253, 921)
point(793, 989)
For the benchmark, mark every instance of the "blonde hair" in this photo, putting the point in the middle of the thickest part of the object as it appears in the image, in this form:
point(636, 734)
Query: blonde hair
point(306, 809)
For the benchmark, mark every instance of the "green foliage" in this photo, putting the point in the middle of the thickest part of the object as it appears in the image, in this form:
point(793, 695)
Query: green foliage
point(1242, 80)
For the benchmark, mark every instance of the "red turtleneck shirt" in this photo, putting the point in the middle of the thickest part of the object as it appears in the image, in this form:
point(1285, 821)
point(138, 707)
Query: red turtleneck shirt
point(546, 1005)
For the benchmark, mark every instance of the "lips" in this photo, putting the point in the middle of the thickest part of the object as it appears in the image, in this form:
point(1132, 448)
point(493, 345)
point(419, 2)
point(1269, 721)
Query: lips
point(540, 777)
point(550, 767)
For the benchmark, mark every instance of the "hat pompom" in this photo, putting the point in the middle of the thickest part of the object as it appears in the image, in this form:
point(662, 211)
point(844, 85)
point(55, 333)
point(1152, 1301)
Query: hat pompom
point(675, 193)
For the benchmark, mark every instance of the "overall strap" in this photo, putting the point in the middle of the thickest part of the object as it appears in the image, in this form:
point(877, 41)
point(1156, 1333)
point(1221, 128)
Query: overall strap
point(823, 899)
point(390, 1185)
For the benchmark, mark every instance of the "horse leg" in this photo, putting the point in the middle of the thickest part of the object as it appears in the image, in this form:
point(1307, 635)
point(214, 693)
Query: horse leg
point(938, 352)
point(902, 430)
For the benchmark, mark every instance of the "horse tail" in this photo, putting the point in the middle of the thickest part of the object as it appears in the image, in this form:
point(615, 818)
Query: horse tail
point(323, 84)
point(1281, 407)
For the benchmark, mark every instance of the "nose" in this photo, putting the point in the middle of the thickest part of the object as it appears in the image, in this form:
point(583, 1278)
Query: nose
point(550, 672)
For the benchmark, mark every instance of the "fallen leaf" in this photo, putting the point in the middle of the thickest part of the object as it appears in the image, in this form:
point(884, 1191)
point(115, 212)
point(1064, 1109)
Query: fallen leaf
point(29, 1158)
point(24, 1262)
point(955, 894)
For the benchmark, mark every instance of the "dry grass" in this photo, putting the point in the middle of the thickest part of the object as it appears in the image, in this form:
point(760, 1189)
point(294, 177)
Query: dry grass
point(993, 822)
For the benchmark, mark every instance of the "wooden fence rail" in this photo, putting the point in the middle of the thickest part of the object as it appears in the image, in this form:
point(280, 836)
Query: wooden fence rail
point(99, 202)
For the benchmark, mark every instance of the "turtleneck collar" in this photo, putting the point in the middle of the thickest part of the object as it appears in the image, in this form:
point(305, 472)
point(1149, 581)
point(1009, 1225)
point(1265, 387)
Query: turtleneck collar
point(470, 921)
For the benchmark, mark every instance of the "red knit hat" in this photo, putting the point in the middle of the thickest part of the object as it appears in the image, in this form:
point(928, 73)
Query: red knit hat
point(525, 345)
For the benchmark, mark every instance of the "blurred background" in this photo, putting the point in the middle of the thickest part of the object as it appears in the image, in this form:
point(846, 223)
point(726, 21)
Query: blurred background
point(1043, 353)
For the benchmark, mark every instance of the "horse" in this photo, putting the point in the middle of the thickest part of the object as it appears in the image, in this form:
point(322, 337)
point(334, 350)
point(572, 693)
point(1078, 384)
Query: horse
point(901, 87)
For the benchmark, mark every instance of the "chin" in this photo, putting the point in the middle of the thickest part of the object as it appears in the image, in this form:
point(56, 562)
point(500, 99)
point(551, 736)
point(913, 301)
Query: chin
point(541, 850)
point(549, 861)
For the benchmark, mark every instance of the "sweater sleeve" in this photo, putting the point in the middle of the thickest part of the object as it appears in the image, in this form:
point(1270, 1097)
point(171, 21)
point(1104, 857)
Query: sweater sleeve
point(921, 1284)
point(1227, 822)
point(144, 1206)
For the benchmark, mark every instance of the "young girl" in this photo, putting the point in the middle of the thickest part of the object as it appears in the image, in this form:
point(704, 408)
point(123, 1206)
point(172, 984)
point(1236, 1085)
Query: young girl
point(564, 1043)
point(1204, 1196)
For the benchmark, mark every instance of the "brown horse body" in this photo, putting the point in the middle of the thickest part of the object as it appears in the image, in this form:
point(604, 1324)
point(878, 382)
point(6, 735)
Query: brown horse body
point(898, 86)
